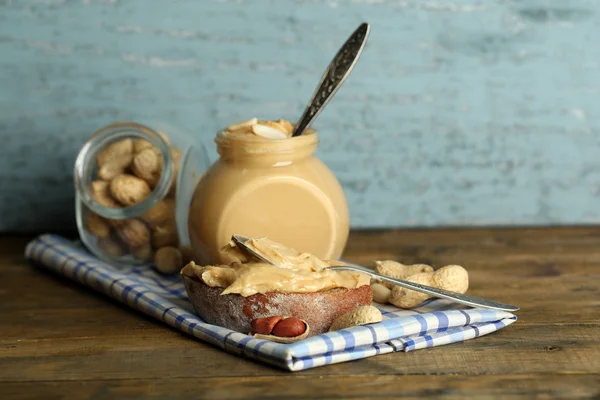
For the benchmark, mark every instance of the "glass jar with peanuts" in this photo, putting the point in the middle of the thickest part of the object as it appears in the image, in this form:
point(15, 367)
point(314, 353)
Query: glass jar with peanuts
point(267, 183)
point(133, 186)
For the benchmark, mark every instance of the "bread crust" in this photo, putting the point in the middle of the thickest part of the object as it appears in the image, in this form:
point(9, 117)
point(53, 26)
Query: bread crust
point(233, 311)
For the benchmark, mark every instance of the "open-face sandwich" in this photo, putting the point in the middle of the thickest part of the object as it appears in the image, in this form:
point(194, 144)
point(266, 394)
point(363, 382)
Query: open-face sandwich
point(243, 289)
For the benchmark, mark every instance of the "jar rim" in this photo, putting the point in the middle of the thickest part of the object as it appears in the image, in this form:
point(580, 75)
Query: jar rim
point(86, 160)
point(257, 146)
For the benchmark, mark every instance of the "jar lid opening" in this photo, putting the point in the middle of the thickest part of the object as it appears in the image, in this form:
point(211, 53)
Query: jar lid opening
point(256, 146)
point(85, 165)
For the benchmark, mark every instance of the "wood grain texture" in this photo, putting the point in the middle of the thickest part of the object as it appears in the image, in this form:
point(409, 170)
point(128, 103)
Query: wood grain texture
point(61, 341)
point(526, 386)
point(459, 113)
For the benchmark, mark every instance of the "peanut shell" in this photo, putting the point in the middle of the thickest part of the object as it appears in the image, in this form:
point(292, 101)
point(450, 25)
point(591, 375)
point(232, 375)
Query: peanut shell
point(114, 167)
point(453, 278)
point(406, 298)
point(128, 189)
point(96, 225)
point(359, 316)
point(143, 253)
point(111, 247)
point(141, 144)
point(398, 270)
point(100, 191)
point(162, 213)
point(134, 233)
point(147, 164)
point(280, 339)
point(168, 260)
point(114, 150)
point(165, 236)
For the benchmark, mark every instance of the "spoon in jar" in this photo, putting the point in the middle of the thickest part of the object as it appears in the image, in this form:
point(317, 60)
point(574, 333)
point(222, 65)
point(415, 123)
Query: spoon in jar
point(460, 298)
point(336, 73)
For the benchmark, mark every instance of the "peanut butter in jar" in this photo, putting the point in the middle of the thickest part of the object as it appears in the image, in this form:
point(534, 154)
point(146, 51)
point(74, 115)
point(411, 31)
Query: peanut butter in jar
point(268, 184)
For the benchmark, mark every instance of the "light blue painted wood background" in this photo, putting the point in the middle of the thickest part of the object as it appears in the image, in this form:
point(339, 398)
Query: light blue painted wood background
point(459, 113)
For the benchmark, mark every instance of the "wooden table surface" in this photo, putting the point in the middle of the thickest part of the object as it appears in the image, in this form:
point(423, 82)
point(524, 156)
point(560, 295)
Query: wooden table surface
point(59, 340)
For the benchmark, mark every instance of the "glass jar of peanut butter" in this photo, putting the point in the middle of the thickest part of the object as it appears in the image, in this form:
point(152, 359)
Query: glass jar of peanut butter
point(133, 187)
point(268, 184)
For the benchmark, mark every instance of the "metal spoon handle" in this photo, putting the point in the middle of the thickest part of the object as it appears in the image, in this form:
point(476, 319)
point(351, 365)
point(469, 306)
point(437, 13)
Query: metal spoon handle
point(472, 301)
point(336, 73)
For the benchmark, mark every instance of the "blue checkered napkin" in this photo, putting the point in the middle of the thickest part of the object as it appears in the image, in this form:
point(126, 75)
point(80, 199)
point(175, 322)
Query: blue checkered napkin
point(432, 324)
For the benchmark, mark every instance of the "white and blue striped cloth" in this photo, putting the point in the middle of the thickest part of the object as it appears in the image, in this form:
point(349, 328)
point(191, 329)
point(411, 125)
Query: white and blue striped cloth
point(434, 323)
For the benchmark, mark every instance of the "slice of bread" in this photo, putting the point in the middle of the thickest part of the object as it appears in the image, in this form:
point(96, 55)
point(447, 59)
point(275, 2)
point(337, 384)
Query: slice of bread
point(234, 311)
